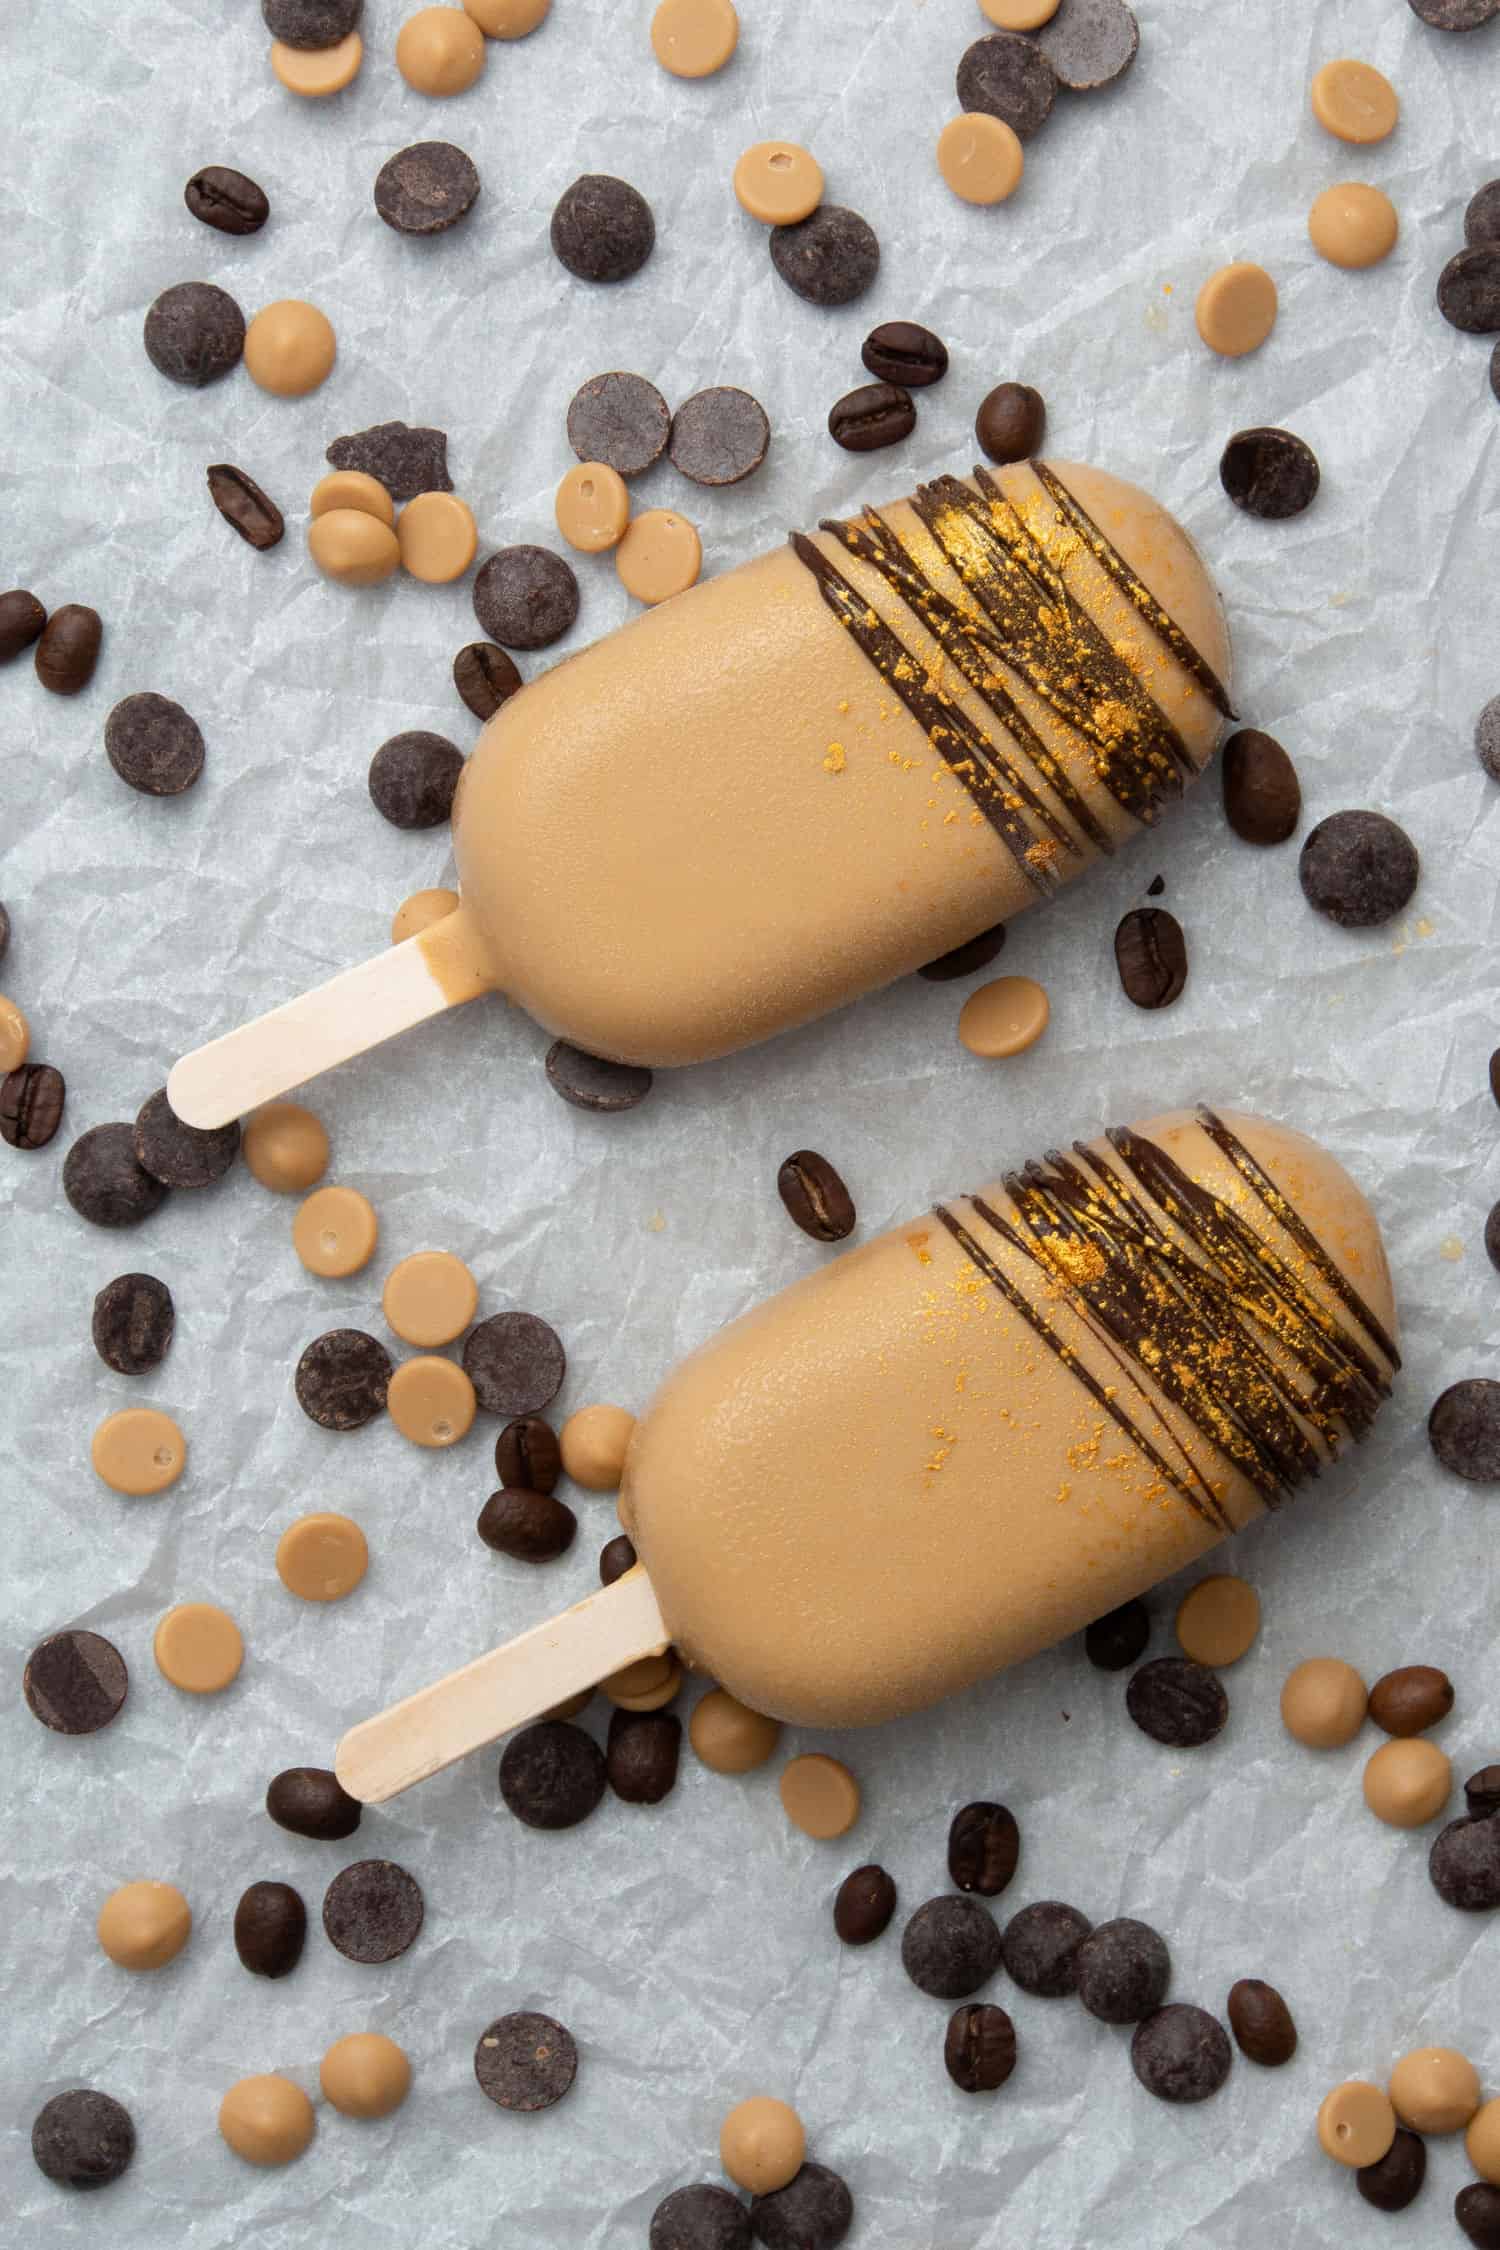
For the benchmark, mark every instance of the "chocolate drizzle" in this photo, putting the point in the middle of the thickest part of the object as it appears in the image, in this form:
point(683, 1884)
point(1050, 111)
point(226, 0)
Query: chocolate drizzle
point(1180, 1292)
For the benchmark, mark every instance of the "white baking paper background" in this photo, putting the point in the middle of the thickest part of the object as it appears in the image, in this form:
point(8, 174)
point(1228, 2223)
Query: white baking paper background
point(690, 1948)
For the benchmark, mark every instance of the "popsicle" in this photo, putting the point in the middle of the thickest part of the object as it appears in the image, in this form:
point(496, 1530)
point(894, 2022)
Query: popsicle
point(965, 1439)
point(799, 781)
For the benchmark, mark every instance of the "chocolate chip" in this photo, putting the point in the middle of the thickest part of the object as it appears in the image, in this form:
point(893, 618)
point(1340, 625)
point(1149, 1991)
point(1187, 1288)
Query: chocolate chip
point(226, 200)
point(950, 1947)
point(1113, 1642)
point(1463, 1429)
point(31, 1105)
point(527, 1455)
point(1177, 1702)
point(1464, 1864)
point(68, 648)
point(830, 258)
point(526, 597)
point(270, 1929)
point(602, 229)
point(863, 1905)
point(525, 2061)
point(104, 1181)
point(1151, 956)
point(1477, 2210)
point(700, 2217)
point(1269, 473)
point(405, 460)
point(876, 415)
point(1040, 1948)
point(194, 333)
point(984, 1845)
point(1008, 76)
point(427, 188)
point(1454, 15)
point(813, 2212)
point(311, 1801)
point(75, 1682)
point(552, 1775)
point(530, 1527)
point(979, 2050)
point(342, 1379)
point(1495, 1076)
point(1090, 43)
point(965, 960)
point(1482, 1791)
point(132, 1324)
point(815, 1196)
point(1397, 2179)
point(720, 436)
point(413, 778)
point(1468, 291)
point(1411, 1700)
point(485, 678)
point(900, 351)
point(589, 1082)
point(1358, 868)
point(1262, 795)
point(154, 745)
point(621, 420)
point(1011, 422)
point(1482, 218)
point(82, 2139)
point(1487, 738)
point(181, 1155)
point(1181, 2054)
point(515, 1362)
point(1262, 2023)
point(1123, 1969)
point(641, 1759)
point(243, 505)
point(311, 23)
point(616, 1556)
point(21, 620)
point(372, 1911)
point(1156, 886)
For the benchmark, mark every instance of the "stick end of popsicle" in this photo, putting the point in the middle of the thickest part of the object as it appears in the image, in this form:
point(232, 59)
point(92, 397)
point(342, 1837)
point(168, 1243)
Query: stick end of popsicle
point(196, 1097)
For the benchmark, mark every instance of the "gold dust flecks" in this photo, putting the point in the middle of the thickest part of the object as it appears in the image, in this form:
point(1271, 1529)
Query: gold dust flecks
point(917, 1244)
point(843, 704)
point(834, 760)
point(1425, 927)
point(657, 1223)
point(1451, 1248)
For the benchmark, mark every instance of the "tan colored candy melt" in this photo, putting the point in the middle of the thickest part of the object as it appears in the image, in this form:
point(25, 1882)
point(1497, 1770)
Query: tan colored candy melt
point(144, 1925)
point(1323, 1703)
point(321, 1558)
point(198, 1647)
point(1004, 1017)
point(351, 488)
point(266, 2120)
point(694, 38)
point(431, 1401)
point(440, 51)
point(315, 72)
point(592, 507)
point(1435, 2090)
point(659, 556)
point(1482, 2143)
point(1407, 1783)
point(420, 911)
point(1217, 1620)
point(820, 1796)
point(1353, 225)
point(507, 19)
point(593, 1443)
point(1236, 310)
point(980, 157)
point(290, 347)
point(1354, 101)
point(570, 1705)
point(762, 2144)
point(286, 1147)
point(355, 548)
point(138, 1451)
point(1356, 2123)
point(335, 1232)
point(1019, 15)
point(728, 1736)
point(365, 2075)
point(15, 1036)
point(437, 536)
point(778, 183)
point(647, 1685)
point(430, 1298)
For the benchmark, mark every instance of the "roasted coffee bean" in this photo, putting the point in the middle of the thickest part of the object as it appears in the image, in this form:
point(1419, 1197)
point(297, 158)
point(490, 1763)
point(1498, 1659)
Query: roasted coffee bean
point(75, 1682)
point(621, 420)
point(311, 1801)
point(528, 1457)
point(82, 2139)
point(701, 2217)
point(154, 745)
point(899, 351)
point(31, 1105)
point(1262, 2023)
point(950, 1947)
point(589, 1082)
point(1454, 15)
point(1262, 795)
point(552, 1775)
point(602, 229)
point(815, 1196)
point(1181, 2054)
point(405, 460)
point(68, 648)
point(485, 678)
point(525, 2062)
point(979, 2051)
point(1040, 1948)
point(1009, 77)
point(1411, 1700)
point(1113, 1642)
point(1482, 1792)
point(1011, 422)
point(1177, 1702)
point(719, 436)
point(875, 415)
point(1397, 2179)
point(227, 200)
point(1464, 1864)
point(616, 1556)
point(641, 1759)
point(181, 1155)
point(4, 933)
point(1123, 1970)
point(104, 1181)
point(1090, 43)
point(830, 258)
point(427, 188)
point(1482, 218)
point(1468, 291)
point(965, 960)
point(195, 333)
point(533, 1527)
point(1269, 473)
point(1477, 2210)
point(311, 23)
point(22, 618)
point(1495, 1077)
point(270, 1929)
point(984, 1845)
point(1359, 869)
point(372, 1911)
point(515, 1362)
point(526, 597)
point(1487, 738)
point(1463, 1429)
point(342, 1379)
point(813, 2212)
point(1151, 956)
point(132, 1324)
point(244, 507)
point(413, 778)
point(863, 1905)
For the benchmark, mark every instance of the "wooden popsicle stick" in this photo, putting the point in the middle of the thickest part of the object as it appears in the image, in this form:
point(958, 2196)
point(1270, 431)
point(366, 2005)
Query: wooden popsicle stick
point(382, 1756)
